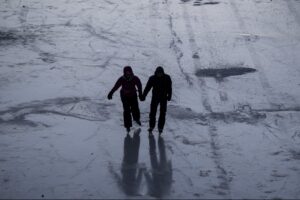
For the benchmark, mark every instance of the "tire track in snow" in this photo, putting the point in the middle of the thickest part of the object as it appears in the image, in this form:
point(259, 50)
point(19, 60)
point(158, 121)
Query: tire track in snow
point(179, 54)
point(153, 14)
point(174, 45)
point(291, 6)
point(23, 20)
point(272, 98)
point(216, 57)
point(196, 62)
point(222, 175)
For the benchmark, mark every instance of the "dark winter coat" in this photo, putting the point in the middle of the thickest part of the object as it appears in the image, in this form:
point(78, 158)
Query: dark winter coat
point(129, 85)
point(161, 86)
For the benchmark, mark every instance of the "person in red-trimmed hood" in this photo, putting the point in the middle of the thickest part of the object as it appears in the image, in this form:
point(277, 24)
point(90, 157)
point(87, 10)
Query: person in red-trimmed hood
point(130, 84)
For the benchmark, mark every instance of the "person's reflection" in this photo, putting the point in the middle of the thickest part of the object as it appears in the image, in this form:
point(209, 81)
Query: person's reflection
point(131, 173)
point(160, 181)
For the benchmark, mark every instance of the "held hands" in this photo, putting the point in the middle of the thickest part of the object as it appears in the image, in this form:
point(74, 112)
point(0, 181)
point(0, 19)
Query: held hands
point(142, 97)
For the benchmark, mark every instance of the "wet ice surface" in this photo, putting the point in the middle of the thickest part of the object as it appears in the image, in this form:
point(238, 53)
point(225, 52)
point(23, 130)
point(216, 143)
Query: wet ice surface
point(235, 135)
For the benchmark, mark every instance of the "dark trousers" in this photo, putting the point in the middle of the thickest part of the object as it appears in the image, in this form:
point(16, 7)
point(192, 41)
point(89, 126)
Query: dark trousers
point(130, 107)
point(162, 114)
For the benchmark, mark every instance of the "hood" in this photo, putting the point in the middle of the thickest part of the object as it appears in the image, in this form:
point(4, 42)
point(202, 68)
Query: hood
point(159, 69)
point(127, 69)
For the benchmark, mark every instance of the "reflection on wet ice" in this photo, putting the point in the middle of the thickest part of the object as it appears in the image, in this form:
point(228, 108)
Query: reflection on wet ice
point(131, 173)
point(159, 179)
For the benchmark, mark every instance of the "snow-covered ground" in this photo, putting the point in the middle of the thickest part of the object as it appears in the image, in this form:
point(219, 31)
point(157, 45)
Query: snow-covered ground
point(232, 126)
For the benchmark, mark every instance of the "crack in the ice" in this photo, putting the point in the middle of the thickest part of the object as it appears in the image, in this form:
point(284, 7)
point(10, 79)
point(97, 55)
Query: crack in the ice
point(17, 115)
point(224, 184)
point(241, 115)
point(178, 52)
point(90, 29)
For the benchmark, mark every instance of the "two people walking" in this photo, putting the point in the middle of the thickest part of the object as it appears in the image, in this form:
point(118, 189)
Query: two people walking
point(161, 85)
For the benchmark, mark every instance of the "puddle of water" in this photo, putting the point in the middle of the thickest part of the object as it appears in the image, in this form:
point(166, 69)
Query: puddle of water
point(224, 72)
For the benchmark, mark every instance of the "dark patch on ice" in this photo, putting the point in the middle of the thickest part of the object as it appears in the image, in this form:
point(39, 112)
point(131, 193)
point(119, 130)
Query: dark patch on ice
point(276, 153)
point(187, 141)
point(269, 192)
point(185, 1)
point(7, 36)
point(196, 56)
point(294, 169)
point(201, 3)
point(204, 173)
point(280, 108)
point(211, 3)
point(295, 154)
point(250, 37)
point(47, 57)
point(223, 96)
point(197, 194)
point(224, 72)
point(11, 37)
point(296, 135)
point(278, 175)
point(77, 107)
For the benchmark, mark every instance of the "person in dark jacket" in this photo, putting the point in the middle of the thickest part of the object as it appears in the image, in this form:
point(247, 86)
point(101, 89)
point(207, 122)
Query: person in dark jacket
point(130, 84)
point(161, 86)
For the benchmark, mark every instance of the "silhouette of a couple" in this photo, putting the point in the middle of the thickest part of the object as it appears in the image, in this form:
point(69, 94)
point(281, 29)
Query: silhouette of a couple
point(161, 86)
point(158, 179)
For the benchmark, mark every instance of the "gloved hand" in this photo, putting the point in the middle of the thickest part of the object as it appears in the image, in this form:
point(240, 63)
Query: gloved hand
point(109, 96)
